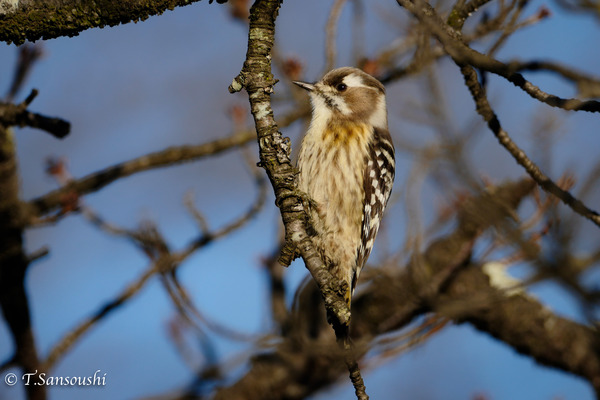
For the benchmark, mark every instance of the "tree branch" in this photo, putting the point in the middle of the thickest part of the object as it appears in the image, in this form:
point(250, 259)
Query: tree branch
point(13, 265)
point(331, 34)
point(587, 86)
point(13, 260)
point(485, 110)
point(466, 59)
point(163, 261)
point(464, 55)
point(33, 19)
point(18, 115)
point(523, 323)
point(306, 360)
point(170, 156)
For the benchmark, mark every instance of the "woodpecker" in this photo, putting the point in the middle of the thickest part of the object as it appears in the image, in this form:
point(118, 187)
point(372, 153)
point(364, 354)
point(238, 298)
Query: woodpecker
point(346, 167)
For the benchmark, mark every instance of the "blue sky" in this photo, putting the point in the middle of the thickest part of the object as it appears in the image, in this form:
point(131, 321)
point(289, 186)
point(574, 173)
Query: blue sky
point(138, 88)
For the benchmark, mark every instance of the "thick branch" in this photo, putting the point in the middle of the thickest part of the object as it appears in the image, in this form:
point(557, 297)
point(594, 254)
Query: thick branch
point(33, 20)
point(13, 264)
point(524, 324)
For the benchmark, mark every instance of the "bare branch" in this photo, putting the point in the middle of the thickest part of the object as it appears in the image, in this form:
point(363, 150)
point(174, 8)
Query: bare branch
point(197, 214)
point(13, 265)
point(28, 56)
point(33, 20)
point(456, 18)
point(485, 110)
point(61, 348)
point(306, 360)
point(331, 34)
point(18, 115)
point(256, 77)
point(461, 11)
point(523, 323)
point(587, 86)
point(464, 55)
point(163, 262)
point(170, 156)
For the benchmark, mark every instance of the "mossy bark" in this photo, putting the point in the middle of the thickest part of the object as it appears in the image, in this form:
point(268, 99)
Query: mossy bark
point(47, 20)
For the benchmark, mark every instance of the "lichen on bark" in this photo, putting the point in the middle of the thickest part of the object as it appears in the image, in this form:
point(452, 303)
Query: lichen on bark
point(47, 20)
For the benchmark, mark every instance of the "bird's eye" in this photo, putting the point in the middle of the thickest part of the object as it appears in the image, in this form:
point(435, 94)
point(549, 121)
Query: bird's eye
point(341, 87)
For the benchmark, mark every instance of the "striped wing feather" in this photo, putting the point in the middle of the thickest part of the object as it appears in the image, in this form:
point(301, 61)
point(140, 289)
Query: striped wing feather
point(378, 179)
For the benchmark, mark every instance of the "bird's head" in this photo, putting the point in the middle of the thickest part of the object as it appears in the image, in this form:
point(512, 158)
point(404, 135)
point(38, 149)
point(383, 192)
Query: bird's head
point(348, 94)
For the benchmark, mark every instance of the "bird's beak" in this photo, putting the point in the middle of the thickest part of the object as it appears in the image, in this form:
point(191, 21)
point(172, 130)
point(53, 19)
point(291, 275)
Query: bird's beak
point(307, 86)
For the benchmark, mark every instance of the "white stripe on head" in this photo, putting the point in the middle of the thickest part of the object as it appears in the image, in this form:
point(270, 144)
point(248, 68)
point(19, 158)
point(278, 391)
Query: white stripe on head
point(379, 116)
point(353, 80)
point(341, 105)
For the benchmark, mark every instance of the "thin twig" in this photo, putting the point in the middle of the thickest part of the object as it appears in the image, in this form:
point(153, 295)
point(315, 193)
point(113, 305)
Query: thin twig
point(197, 214)
point(512, 26)
point(587, 86)
point(179, 294)
point(358, 31)
point(18, 115)
point(194, 316)
point(331, 34)
point(234, 225)
point(61, 348)
point(277, 290)
point(29, 54)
